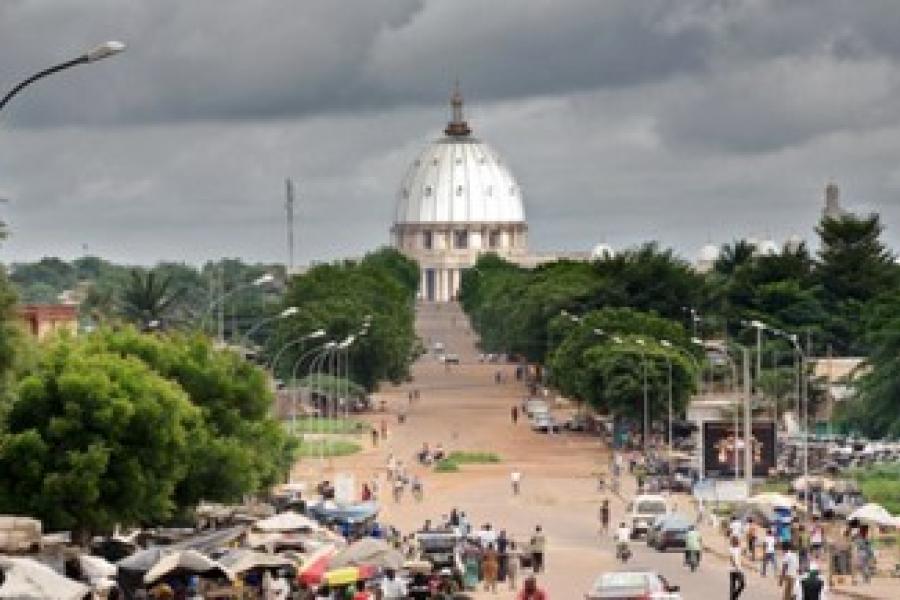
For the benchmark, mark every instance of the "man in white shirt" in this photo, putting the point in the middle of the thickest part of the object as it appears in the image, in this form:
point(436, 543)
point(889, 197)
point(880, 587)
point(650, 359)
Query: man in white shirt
point(516, 479)
point(769, 551)
point(735, 528)
point(736, 581)
point(622, 537)
point(790, 571)
point(392, 588)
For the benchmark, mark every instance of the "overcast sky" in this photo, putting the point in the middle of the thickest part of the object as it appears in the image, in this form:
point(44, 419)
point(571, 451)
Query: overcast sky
point(687, 122)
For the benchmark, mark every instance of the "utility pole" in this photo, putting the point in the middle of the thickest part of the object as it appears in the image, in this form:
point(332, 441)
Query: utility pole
point(748, 424)
point(289, 206)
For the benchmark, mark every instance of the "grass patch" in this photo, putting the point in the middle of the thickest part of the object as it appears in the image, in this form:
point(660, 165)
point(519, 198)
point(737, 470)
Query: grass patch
point(326, 448)
point(455, 459)
point(314, 425)
point(774, 486)
point(880, 485)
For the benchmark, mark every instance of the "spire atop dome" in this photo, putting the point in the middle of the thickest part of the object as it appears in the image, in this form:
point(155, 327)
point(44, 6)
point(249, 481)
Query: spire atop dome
point(457, 126)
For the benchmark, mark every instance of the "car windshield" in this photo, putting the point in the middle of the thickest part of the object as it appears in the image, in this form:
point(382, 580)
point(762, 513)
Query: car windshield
point(651, 507)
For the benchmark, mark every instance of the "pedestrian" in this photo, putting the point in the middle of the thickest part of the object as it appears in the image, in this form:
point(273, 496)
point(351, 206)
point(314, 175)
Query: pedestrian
point(366, 492)
point(751, 539)
point(417, 490)
point(392, 587)
point(398, 489)
point(803, 547)
point(514, 414)
point(538, 545)
point(516, 479)
point(512, 566)
point(604, 516)
point(769, 543)
point(790, 571)
point(374, 438)
point(383, 429)
point(410, 397)
point(489, 569)
point(812, 587)
point(862, 550)
point(735, 527)
point(531, 591)
point(816, 538)
point(693, 545)
point(502, 555)
point(736, 580)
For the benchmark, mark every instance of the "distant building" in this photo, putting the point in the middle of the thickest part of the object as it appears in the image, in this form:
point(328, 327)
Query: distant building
point(832, 208)
point(42, 320)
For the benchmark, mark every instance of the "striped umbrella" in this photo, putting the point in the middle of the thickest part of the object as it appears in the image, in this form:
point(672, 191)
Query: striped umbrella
point(313, 568)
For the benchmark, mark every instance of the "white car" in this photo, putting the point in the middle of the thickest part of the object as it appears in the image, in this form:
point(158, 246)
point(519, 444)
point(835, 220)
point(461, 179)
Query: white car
point(643, 510)
point(535, 406)
point(633, 585)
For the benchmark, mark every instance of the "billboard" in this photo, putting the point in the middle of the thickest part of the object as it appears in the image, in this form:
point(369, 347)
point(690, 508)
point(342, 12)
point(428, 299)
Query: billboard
point(720, 445)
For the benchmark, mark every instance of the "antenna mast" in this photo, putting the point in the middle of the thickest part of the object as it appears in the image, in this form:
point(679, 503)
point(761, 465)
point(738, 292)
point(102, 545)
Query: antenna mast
point(289, 206)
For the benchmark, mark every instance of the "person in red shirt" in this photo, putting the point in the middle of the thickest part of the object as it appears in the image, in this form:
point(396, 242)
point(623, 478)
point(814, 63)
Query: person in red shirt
point(531, 591)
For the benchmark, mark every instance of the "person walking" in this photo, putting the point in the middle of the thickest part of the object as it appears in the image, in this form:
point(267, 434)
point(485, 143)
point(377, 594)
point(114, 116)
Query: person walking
point(512, 566)
point(538, 546)
point(417, 489)
point(769, 543)
point(515, 479)
point(751, 539)
point(736, 580)
point(514, 414)
point(489, 569)
point(812, 587)
point(790, 571)
point(693, 544)
point(531, 591)
point(604, 516)
point(374, 438)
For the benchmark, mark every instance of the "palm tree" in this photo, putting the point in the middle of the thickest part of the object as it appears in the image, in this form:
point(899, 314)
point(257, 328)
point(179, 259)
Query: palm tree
point(148, 299)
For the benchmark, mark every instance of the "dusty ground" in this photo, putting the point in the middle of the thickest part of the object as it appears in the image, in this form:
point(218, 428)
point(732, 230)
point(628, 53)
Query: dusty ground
point(462, 408)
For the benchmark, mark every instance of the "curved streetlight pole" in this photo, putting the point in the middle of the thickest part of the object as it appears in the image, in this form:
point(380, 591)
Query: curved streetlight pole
point(295, 391)
point(261, 280)
point(287, 312)
point(102, 51)
point(309, 336)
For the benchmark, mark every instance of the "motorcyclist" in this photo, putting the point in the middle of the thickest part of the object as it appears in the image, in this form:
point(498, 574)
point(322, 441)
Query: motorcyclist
point(623, 538)
point(693, 544)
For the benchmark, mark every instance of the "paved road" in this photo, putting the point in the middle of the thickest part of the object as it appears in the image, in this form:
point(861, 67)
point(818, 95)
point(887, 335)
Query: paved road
point(462, 408)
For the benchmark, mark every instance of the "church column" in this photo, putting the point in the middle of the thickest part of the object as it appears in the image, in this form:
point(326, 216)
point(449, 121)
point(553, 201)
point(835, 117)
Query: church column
point(441, 282)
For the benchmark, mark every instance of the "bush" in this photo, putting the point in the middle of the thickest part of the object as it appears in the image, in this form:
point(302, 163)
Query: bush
point(326, 448)
point(880, 485)
point(455, 459)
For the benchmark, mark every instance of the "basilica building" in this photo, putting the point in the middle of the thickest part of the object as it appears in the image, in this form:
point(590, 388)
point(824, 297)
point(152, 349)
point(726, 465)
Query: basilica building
point(457, 201)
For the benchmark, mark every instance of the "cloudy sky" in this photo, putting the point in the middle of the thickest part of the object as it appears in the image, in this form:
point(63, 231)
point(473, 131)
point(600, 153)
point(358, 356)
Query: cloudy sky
point(624, 120)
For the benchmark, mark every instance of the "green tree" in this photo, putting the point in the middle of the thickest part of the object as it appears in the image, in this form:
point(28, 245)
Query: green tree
point(240, 449)
point(854, 269)
point(9, 331)
point(148, 297)
point(94, 439)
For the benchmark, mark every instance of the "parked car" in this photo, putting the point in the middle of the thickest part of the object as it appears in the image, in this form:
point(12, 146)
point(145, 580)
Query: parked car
point(544, 423)
point(451, 359)
point(633, 585)
point(440, 548)
point(643, 510)
point(578, 422)
point(534, 406)
point(668, 531)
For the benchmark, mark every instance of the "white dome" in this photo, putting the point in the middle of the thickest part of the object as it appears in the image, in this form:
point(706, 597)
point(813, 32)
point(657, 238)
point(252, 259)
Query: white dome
point(602, 252)
point(767, 248)
point(709, 253)
point(459, 179)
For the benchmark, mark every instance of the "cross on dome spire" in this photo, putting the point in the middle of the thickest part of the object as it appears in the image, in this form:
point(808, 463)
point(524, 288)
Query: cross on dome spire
point(457, 126)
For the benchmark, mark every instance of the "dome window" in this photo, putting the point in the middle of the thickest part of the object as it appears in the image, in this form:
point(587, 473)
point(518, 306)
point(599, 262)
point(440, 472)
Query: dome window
point(405, 193)
point(459, 190)
point(427, 191)
point(417, 162)
point(427, 240)
point(512, 190)
point(494, 238)
point(435, 161)
point(458, 160)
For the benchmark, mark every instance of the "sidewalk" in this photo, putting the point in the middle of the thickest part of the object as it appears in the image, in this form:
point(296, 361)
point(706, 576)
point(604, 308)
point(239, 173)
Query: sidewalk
point(880, 588)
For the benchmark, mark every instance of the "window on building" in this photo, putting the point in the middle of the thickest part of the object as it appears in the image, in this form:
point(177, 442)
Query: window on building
point(459, 190)
point(427, 240)
point(461, 239)
point(494, 239)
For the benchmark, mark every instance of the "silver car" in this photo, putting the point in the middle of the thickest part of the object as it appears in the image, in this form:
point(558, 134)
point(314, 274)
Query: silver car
point(633, 585)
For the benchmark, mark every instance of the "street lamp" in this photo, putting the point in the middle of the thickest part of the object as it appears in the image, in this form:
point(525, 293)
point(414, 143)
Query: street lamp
point(102, 51)
point(288, 312)
point(259, 281)
point(668, 345)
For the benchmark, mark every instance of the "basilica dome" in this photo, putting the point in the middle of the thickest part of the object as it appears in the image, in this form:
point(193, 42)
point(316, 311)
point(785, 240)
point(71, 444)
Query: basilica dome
point(459, 179)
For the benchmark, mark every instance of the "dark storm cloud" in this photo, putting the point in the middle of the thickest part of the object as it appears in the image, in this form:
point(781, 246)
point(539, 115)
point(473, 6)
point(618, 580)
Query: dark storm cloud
point(689, 121)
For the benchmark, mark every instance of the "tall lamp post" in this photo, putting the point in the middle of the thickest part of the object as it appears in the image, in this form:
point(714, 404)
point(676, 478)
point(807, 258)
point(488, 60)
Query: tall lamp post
point(102, 51)
point(261, 280)
point(288, 312)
